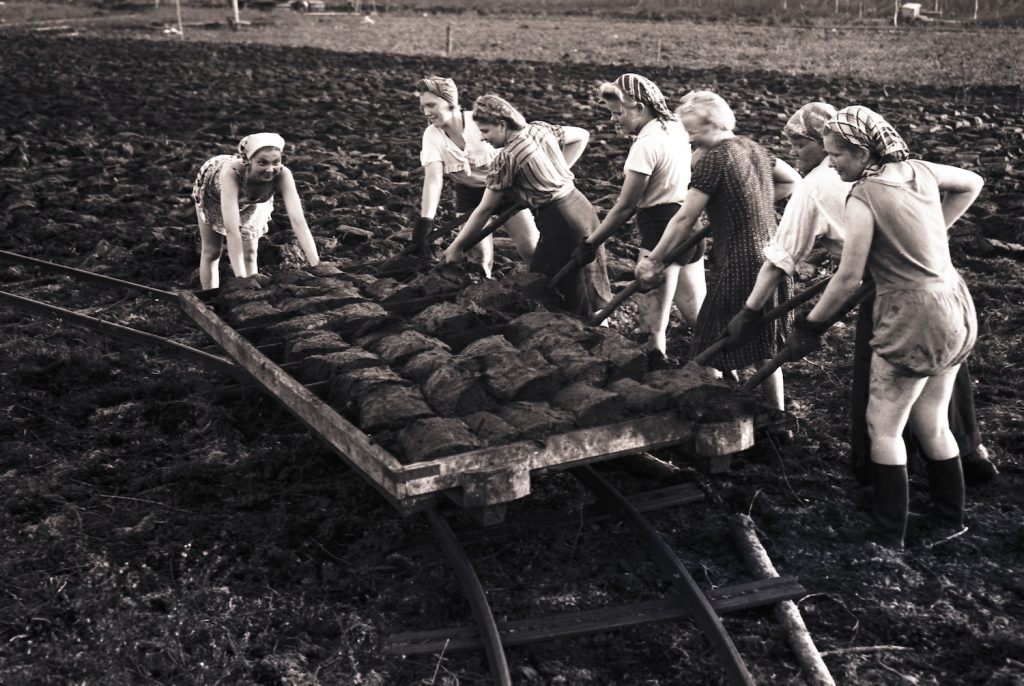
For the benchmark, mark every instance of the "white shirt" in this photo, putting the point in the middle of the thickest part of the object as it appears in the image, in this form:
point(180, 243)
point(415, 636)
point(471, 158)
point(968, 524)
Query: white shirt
point(814, 211)
point(465, 166)
point(661, 151)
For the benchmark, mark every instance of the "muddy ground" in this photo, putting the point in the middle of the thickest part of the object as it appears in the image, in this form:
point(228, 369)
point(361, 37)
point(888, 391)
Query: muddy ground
point(158, 530)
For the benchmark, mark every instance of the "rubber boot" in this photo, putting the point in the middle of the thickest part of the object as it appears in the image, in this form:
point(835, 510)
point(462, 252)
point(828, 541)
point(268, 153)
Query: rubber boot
point(889, 512)
point(978, 468)
point(946, 486)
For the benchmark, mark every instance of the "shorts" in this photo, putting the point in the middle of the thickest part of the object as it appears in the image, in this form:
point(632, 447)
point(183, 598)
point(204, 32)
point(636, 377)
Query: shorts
point(467, 197)
point(925, 332)
point(651, 223)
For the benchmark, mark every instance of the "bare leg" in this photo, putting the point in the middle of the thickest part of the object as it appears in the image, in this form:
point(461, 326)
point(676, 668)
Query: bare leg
point(773, 389)
point(655, 308)
point(929, 417)
point(891, 396)
point(523, 231)
point(212, 245)
point(691, 289)
point(249, 250)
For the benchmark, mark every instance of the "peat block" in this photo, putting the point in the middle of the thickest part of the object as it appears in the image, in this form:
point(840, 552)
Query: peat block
point(433, 437)
point(573, 361)
point(420, 366)
point(526, 326)
point(452, 391)
point(397, 348)
point(382, 289)
point(446, 317)
point(390, 407)
point(253, 314)
point(481, 353)
point(640, 398)
point(329, 365)
point(355, 315)
point(591, 406)
point(535, 420)
point(349, 383)
point(316, 343)
point(233, 299)
point(288, 328)
point(318, 303)
point(490, 428)
point(627, 360)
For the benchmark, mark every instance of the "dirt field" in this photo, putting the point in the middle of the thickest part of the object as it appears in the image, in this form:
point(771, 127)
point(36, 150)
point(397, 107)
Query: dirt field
point(158, 531)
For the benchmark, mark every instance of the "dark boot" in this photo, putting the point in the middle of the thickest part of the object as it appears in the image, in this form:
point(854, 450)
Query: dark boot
point(946, 486)
point(978, 468)
point(891, 495)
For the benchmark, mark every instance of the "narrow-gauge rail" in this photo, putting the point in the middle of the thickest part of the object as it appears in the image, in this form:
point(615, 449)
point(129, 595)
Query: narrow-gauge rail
point(481, 480)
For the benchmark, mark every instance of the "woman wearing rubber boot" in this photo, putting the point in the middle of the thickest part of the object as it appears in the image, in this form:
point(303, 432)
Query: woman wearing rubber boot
point(924, 320)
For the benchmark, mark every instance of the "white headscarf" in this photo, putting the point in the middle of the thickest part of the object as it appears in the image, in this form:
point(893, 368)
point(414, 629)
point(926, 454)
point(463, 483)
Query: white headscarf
point(255, 141)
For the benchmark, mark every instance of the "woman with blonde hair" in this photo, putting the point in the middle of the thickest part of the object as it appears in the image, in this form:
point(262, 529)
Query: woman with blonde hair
point(736, 181)
point(234, 197)
point(532, 169)
point(453, 148)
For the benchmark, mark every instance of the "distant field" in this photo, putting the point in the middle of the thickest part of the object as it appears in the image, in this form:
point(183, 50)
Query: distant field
point(922, 55)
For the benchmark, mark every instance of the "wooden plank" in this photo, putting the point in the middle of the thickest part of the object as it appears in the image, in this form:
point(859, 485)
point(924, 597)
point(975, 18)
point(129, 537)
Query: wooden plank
point(569, 624)
point(346, 440)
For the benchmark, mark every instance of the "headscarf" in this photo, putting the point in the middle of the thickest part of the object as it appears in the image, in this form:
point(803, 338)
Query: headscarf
point(867, 129)
point(491, 106)
point(255, 141)
point(809, 121)
point(440, 86)
point(645, 91)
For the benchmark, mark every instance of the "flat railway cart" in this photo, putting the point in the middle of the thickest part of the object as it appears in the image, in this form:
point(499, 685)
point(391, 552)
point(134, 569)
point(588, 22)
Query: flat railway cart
point(438, 386)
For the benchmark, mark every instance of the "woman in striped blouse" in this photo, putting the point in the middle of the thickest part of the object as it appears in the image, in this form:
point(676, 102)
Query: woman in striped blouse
point(532, 168)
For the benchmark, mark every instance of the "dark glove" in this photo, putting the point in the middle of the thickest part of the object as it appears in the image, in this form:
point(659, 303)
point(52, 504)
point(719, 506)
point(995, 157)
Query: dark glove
point(422, 244)
point(584, 254)
point(805, 337)
point(743, 327)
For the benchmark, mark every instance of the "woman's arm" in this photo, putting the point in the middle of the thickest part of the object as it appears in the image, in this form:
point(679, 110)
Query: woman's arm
point(229, 191)
point(632, 188)
point(293, 205)
point(960, 186)
point(768, 279)
point(575, 143)
point(433, 182)
point(860, 228)
point(785, 177)
point(477, 220)
point(681, 225)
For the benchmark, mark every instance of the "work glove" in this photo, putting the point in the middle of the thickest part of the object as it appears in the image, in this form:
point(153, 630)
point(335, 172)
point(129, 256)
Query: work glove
point(584, 254)
point(742, 328)
point(421, 241)
point(649, 274)
point(805, 337)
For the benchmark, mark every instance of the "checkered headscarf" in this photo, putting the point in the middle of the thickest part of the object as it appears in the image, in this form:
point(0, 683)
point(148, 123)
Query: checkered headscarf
point(647, 92)
point(867, 129)
point(440, 86)
point(808, 121)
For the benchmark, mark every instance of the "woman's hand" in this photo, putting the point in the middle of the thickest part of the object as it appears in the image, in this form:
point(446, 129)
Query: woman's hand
point(649, 274)
point(453, 255)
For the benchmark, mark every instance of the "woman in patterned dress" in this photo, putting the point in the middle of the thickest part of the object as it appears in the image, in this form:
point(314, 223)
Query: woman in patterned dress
point(453, 149)
point(234, 197)
point(532, 166)
point(736, 181)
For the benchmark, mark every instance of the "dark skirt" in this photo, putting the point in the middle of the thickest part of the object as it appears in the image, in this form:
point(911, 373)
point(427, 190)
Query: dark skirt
point(562, 225)
point(467, 197)
point(651, 223)
point(963, 421)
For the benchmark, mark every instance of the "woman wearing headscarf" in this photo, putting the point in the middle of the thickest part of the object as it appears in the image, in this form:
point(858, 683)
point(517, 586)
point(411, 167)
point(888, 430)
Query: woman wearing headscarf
point(234, 197)
point(453, 148)
point(814, 216)
point(925, 325)
point(532, 168)
point(657, 173)
point(736, 181)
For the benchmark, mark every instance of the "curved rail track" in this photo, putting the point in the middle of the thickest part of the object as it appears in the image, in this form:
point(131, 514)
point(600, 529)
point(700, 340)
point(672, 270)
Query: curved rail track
point(492, 637)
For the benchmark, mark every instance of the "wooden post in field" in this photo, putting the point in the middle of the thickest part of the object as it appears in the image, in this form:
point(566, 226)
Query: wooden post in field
point(448, 41)
point(860, 9)
point(658, 59)
point(181, 27)
point(896, 14)
point(234, 12)
point(975, 10)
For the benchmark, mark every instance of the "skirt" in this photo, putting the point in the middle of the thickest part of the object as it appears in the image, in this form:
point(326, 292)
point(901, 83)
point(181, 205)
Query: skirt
point(562, 224)
point(651, 223)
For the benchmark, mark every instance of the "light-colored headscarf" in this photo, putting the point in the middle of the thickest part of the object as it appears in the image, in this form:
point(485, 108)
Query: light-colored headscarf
point(809, 121)
point(643, 90)
point(867, 129)
point(440, 86)
point(255, 141)
point(492, 107)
